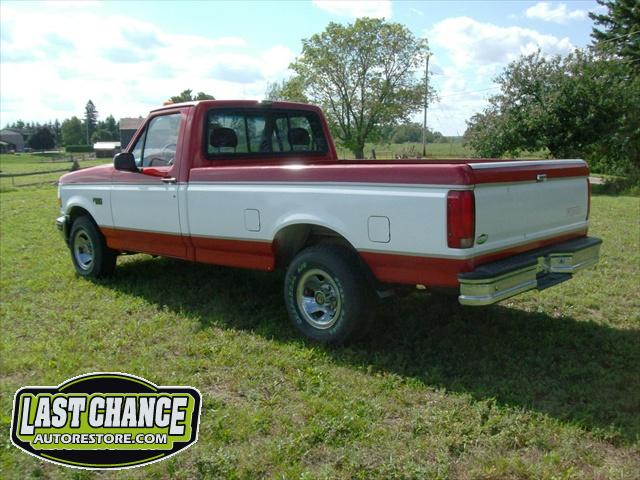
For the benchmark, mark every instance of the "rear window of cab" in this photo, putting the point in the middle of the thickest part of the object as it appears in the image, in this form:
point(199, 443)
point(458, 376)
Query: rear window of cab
point(231, 133)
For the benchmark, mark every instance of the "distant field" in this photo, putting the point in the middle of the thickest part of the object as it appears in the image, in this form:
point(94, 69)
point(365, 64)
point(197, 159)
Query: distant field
point(542, 386)
point(454, 149)
point(27, 163)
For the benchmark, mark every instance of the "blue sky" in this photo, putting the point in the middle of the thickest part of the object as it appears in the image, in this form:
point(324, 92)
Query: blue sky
point(130, 56)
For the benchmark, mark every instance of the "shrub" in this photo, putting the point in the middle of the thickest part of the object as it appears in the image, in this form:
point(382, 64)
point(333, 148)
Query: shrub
point(79, 148)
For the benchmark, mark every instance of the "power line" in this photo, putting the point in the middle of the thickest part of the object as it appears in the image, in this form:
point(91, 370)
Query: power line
point(600, 42)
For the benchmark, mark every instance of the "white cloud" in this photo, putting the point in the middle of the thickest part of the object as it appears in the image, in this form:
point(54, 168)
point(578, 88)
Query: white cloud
point(356, 8)
point(474, 54)
point(559, 14)
point(458, 98)
point(54, 60)
point(472, 43)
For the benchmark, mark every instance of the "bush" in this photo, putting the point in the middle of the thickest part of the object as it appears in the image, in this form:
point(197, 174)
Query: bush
point(583, 105)
point(79, 149)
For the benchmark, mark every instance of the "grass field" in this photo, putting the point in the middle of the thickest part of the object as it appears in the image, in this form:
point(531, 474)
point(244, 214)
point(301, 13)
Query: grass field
point(542, 386)
point(28, 163)
point(434, 150)
point(454, 149)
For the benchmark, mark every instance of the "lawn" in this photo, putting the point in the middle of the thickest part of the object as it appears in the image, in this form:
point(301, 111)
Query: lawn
point(542, 386)
point(30, 163)
point(453, 149)
point(434, 150)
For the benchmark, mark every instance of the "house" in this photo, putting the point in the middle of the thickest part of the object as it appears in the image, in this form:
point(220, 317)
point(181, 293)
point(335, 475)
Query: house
point(128, 127)
point(13, 139)
point(106, 149)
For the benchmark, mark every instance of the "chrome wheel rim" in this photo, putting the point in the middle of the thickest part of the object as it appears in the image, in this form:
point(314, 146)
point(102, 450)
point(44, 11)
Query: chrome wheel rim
point(319, 299)
point(83, 249)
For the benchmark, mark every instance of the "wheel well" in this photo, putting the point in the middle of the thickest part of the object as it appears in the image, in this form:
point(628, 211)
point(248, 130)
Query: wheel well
point(291, 240)
point(76, 212)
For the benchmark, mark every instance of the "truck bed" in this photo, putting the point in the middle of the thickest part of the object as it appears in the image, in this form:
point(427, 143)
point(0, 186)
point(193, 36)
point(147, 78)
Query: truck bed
point(520, 206)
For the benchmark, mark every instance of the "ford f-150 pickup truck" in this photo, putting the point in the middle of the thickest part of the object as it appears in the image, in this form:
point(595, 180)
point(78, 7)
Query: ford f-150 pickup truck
point(259, 185)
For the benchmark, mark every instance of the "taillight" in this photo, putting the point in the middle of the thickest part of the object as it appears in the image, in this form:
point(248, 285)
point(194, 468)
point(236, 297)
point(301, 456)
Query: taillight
point(461, 218)
point(588, 198)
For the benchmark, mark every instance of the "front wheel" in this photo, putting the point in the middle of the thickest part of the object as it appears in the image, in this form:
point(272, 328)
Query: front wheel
point(89, 252)
point(327, 294)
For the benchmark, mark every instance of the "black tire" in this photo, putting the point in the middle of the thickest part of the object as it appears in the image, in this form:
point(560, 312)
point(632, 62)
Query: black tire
point(89, 252)
point(331, 280)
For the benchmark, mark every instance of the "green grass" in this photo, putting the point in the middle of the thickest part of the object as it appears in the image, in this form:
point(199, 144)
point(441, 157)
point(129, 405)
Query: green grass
point(28, 163)
point(542, 386)
point(389, 150)
point(454, 149)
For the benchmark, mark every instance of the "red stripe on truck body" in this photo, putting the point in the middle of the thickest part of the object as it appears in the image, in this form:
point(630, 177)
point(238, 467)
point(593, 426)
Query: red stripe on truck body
point(261, 255)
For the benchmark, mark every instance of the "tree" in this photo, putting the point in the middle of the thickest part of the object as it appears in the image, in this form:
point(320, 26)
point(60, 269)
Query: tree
point(57, 134)
point(620, 32)
point(582, 105)
point(111, 126)
point(90, 119)
point(186, 96)
point(412, 133)
point(71, 130)
point(363, 74)
point(42, 139)
point(407, 132)
point(101, 135)
point(291, 90)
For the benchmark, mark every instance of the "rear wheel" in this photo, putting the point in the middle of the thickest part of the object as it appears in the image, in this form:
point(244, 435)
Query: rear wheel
point(328, 296)
point(89, 252)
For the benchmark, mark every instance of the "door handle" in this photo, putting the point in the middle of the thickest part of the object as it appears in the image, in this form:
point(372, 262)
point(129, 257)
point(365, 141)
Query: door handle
point(169, 180)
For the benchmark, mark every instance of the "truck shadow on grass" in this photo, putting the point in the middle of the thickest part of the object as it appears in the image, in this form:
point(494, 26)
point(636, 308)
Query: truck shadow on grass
point(576, 371)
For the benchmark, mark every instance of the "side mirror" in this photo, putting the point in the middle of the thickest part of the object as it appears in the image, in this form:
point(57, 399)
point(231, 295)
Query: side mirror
point(125, 161)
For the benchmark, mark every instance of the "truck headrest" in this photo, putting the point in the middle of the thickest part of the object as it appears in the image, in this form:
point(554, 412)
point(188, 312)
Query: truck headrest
point(299, 137)
point(223, 137)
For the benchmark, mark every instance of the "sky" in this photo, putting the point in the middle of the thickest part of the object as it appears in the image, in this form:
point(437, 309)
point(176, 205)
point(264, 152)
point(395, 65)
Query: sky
point(129, 57)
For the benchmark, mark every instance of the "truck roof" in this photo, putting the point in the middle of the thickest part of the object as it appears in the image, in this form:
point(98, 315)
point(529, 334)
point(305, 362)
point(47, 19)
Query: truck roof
point(239, 103)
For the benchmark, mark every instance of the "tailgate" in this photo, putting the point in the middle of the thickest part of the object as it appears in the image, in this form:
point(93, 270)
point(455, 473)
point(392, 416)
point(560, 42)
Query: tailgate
point(519, 202)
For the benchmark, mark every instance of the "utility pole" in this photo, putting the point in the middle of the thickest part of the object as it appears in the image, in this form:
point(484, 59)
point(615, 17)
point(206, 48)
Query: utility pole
point(426, 100)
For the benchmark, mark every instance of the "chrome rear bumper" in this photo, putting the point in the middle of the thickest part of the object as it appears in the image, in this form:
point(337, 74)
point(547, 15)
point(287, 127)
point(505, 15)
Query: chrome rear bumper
point(541, 268)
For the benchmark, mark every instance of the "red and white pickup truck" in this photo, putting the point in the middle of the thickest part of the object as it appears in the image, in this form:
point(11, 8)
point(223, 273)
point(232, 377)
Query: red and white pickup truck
point(259, 185)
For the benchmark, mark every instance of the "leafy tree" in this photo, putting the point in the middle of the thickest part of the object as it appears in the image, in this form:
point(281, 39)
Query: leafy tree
point(186, 96)
point(101, 135)
point(408, 132)
point(363, 74)
point(291, 90)
point(90, 119)
point(582, 105)
point(42, 139)
point(412, 132)
point(57, 134)
point(620, 29)
point(72, 131)
point(111, 125)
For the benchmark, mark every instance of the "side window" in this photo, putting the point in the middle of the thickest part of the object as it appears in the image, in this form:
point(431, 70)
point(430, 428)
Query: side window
point(160, 141)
